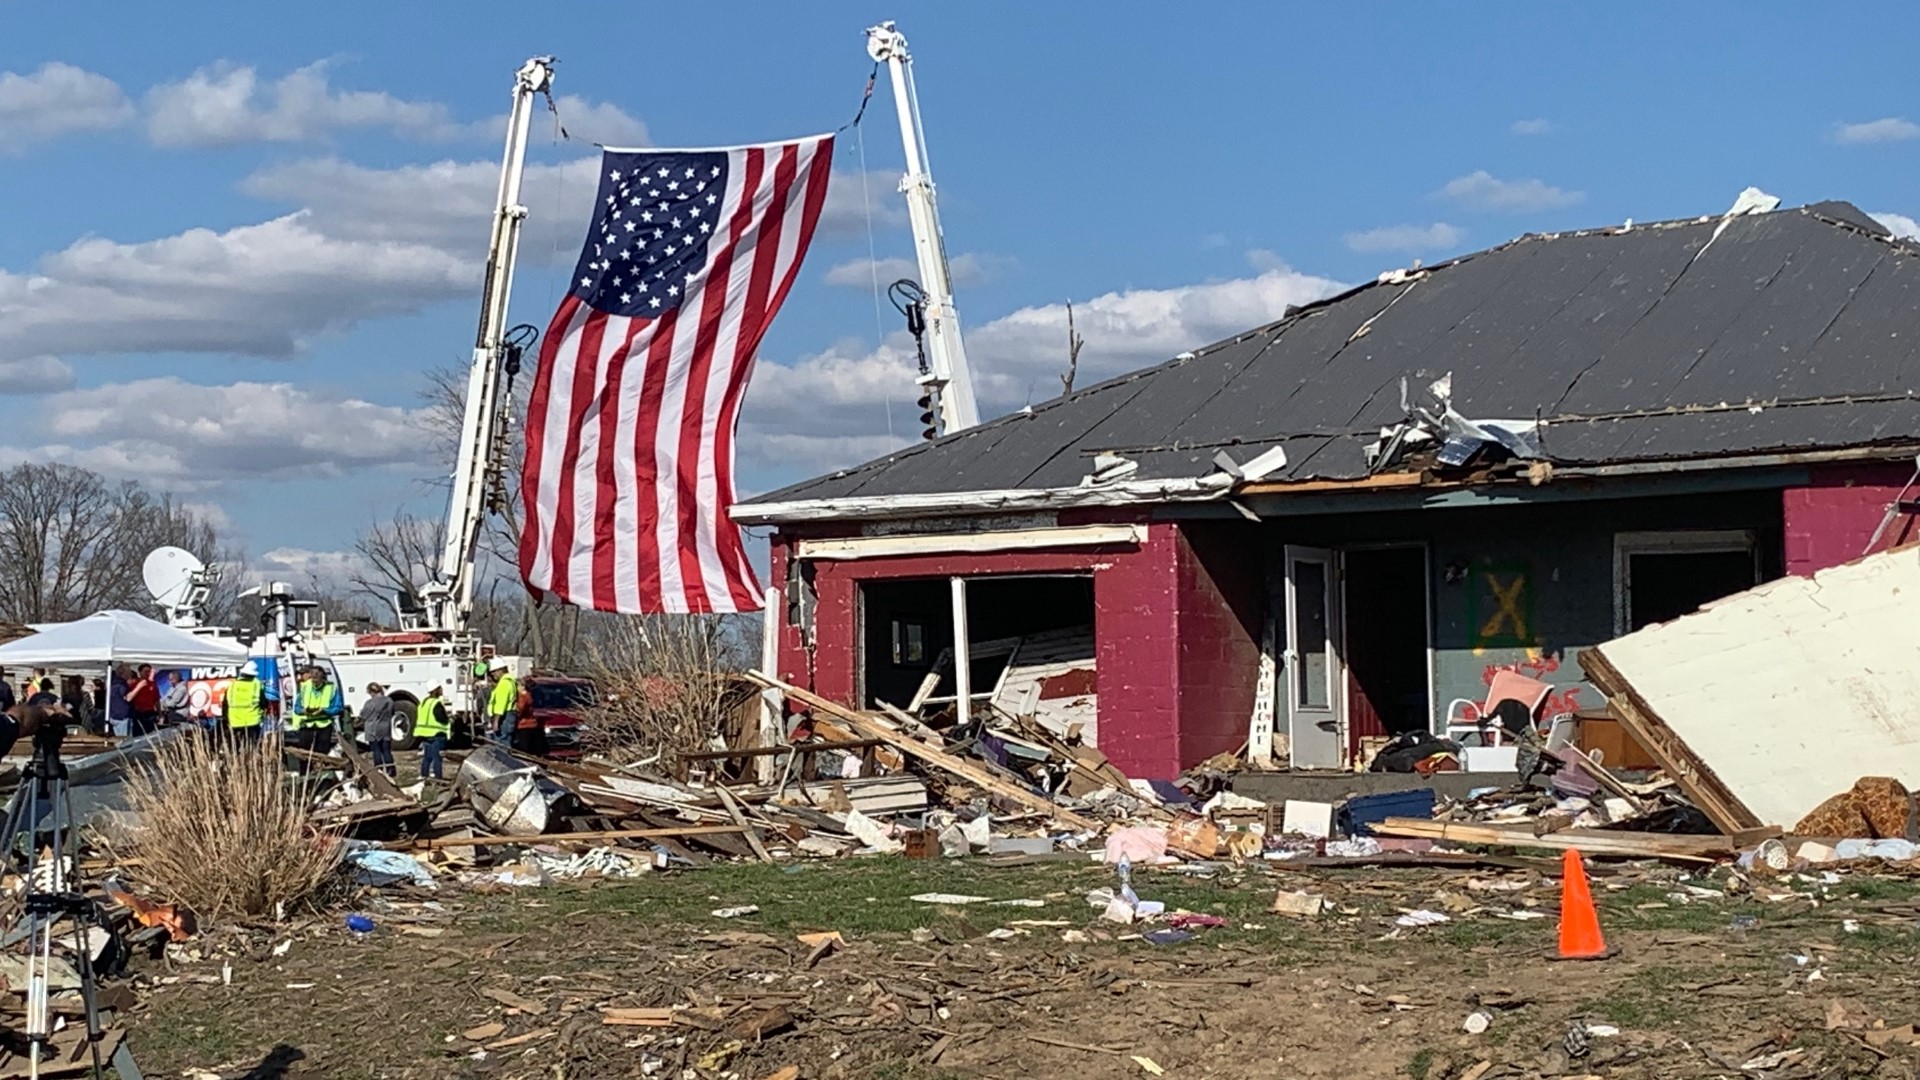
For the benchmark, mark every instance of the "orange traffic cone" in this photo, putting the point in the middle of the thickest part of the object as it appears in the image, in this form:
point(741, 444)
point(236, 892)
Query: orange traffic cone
point(1580, 937)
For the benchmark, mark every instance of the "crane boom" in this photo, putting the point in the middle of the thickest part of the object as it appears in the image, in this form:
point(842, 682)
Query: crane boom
point(948, 375)
point(449, 598)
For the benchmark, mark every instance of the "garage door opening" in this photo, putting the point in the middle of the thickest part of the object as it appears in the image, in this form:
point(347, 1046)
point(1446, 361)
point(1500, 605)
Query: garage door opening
point(1029, 647)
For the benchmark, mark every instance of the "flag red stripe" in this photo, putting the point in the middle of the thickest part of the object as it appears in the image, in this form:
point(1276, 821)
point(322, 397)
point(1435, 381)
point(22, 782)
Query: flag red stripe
point(532, 519)
point(646, 481)
point(610, 458)
point(586, 344)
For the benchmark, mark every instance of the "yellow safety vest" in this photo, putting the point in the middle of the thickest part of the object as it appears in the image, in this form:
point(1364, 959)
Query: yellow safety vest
point(505, 697)
point(430, 719)
point(245, 703)
point(314, 703)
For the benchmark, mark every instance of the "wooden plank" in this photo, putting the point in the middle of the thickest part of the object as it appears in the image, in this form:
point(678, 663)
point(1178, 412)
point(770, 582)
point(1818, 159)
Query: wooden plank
point(940, 759)
point(1309, 487)
point(740, 819)
point(1588, 841)
point(1695, 777)
point(564, 838)
point(380, 783)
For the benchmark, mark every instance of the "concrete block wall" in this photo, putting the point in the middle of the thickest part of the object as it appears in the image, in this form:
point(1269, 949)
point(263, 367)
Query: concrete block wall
point(1831, 519)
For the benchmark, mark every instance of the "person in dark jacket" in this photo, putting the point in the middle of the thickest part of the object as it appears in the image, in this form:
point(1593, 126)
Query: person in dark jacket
point(376, 723)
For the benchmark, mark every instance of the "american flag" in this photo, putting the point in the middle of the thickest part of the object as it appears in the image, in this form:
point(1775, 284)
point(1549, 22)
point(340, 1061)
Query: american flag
point(629, 469)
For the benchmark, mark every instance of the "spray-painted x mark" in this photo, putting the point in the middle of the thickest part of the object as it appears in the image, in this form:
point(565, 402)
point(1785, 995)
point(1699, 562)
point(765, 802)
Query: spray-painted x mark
point(1507, 608)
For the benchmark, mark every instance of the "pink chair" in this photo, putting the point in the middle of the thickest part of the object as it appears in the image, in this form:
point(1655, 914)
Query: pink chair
point(1467, 719)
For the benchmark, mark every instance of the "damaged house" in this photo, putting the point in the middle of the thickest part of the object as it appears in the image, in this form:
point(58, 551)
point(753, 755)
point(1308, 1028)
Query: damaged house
point(1347, 523)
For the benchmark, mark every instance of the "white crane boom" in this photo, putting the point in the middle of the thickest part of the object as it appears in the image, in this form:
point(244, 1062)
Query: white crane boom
point(948, 374)
point(449, 598)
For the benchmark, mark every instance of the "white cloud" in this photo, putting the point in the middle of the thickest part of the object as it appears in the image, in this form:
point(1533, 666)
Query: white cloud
point(1485, 191)
point(1438, 236)
point(1886, 129)
point(224, 103)
point(260, 290)
point(1534, 126)
point(1017, 358)
point(55, 100)
point(966, 268)
point(1898, 224)
point(447, 205)
point(188, 437)
point(35, 375)
point(364, 243)
point(329, 572)
point(594, 122)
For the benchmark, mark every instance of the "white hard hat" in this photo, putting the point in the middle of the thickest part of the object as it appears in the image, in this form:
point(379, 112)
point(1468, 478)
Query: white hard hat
point(250, 669)
point(499, 664)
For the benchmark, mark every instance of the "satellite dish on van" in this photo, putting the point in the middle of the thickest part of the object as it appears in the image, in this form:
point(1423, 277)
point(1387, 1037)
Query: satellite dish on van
point(171, 575)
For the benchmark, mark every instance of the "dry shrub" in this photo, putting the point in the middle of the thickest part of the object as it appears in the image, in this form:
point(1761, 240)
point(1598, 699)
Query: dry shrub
point(226, 831)
point(669, 682)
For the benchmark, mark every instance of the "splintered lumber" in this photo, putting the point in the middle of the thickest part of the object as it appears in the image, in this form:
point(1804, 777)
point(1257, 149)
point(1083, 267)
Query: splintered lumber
point(740, 819)
point(940, 759)
point(564, 838)
point(377, 781)
point(1587, 841)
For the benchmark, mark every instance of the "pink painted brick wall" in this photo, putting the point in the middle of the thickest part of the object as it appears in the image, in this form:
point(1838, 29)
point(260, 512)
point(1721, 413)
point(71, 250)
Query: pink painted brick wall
point(1176, 634)
point(1831, 519)
point(1222, 587)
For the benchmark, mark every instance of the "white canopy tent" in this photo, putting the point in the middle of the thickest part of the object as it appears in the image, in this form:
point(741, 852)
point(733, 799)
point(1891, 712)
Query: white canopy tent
point(112, 637)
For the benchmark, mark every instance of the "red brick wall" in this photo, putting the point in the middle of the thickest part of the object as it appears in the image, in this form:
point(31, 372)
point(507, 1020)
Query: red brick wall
point(1222, 583)
point(1176, 634)
point(1831, 519)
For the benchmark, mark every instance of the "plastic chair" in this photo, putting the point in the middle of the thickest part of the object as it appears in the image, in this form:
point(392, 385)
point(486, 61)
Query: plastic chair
point(1472, 721)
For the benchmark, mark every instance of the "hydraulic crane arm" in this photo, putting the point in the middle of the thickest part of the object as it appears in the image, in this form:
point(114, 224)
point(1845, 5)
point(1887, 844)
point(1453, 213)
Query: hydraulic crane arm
point(947, 375)
point(480, 467)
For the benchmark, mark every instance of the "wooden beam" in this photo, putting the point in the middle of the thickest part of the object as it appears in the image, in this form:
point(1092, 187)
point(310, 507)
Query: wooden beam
point(565, 838)
point(938, 758)
point(740, 819)
point(1314, 487)
point(1694, 776)
point(1678, 848)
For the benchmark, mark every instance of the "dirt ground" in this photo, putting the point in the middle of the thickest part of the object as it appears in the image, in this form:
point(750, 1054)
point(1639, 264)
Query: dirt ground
point(1714, 976)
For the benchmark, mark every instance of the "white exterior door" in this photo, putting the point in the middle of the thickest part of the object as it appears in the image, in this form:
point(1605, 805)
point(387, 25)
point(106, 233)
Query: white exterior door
point(1314, 681)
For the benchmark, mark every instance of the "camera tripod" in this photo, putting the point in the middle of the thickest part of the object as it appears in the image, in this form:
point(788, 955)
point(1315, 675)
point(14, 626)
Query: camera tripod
point(51, 895)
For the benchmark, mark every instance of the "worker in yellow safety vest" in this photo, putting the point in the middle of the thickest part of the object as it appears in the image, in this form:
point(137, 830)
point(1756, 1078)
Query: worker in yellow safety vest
point(503, 702)
point(430, 729)
point(319, 706)
point(245, 705)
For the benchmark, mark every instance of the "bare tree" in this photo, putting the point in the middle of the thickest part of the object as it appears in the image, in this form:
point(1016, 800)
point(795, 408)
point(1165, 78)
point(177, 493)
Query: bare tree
point(400, 555)
point(71, 543)
point(1074, 341)
point(670, 682)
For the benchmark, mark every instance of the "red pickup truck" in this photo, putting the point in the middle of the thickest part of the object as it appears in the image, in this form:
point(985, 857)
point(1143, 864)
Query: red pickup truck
point(560, 704)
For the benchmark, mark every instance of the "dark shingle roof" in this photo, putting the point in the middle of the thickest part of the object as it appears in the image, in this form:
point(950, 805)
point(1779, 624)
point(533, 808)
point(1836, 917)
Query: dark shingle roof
point(1792, 330)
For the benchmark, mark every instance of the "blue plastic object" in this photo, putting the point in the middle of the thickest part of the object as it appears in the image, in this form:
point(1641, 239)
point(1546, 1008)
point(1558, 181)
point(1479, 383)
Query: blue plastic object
point(360, 924)
point(1357, 813)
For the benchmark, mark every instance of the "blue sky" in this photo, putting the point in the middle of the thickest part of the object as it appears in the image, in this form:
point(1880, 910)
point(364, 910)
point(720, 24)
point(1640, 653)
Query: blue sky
point(240, 233)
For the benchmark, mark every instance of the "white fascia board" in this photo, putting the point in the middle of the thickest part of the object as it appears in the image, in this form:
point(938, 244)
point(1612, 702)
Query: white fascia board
point(878, 547)
point(957, 503)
